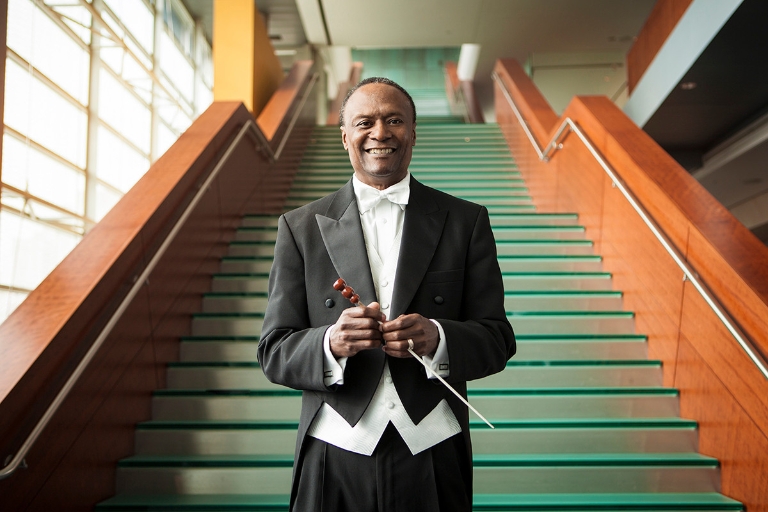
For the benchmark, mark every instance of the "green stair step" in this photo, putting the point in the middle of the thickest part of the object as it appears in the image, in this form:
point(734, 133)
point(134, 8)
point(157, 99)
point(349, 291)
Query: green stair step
point(555, 423)
point(285, 392)
point(479, 461)
point(639, 502)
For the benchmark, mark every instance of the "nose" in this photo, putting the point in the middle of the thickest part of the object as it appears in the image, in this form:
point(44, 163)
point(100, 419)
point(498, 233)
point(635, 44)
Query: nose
point(380, 131)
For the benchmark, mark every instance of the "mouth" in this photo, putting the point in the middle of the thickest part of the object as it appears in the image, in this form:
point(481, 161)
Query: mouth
point(380, 151)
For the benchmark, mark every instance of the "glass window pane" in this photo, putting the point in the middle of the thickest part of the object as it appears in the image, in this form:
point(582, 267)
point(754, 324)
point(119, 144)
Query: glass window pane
point(77, 18)
point(165, 138)
point(176, 67)
point(117, 163)
point(203, 96)
point(123, 111)
point(180, 24)
point(42, 43)
point(176, 118)
point(137, 18)
point(30, 250)
point(106, 198)
point(49, 120)
point(128, 69)
point(28, 169)
point(204, 60)
point(9, 301)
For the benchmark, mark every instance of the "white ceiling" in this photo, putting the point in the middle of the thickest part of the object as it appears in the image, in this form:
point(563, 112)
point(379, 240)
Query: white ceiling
point(504, 28)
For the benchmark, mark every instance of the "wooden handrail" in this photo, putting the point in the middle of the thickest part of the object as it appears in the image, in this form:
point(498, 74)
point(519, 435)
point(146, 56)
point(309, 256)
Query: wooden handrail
point(461, 95)
point(49, 333)
point(700, 356)
point(660, 23)
point(355, 72)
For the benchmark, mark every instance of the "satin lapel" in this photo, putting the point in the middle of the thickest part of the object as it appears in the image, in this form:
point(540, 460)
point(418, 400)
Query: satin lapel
point(343, 237)
point(422, 229)
point(344, 241)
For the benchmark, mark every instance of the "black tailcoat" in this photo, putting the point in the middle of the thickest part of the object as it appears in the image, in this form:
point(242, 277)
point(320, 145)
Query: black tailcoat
point(447, 270)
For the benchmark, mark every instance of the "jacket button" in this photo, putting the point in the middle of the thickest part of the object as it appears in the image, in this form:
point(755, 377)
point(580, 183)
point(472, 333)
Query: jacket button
point(439, 300)
point(329, 303)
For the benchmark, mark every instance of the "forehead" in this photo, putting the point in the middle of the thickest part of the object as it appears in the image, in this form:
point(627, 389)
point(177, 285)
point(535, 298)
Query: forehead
point(372, 99)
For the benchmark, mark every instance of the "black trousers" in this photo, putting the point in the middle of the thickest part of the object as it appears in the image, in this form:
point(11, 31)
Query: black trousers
point(330, 479)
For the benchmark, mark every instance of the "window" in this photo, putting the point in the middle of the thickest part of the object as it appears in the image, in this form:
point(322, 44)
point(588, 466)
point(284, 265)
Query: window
point(90, 101)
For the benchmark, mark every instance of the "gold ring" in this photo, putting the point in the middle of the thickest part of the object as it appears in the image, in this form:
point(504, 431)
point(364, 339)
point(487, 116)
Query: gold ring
point(410, 343)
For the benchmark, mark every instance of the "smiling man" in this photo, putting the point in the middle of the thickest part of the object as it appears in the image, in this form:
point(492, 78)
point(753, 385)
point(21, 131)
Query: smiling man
point(375, 432)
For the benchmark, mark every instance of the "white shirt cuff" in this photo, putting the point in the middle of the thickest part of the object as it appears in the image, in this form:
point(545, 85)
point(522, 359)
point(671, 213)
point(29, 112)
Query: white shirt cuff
point(439, 362)
point(333, 369)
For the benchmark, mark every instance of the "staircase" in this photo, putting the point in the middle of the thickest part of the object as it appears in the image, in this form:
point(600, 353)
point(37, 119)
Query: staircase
point(582, 420)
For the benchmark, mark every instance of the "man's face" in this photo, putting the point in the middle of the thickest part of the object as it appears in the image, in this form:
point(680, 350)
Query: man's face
point(379, 134)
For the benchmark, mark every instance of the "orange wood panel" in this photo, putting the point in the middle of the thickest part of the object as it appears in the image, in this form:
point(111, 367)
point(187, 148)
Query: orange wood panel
point(649, 172)
point(626, 237)
point(474, 111)
point(86, 474)
point(731, 259)
point(580, 186)
point(726, 358)
point(112, 363)
point(451, 78)
point(81, 294)
point(540, 179)
point(727, 431)
point(658, 26)
point(532, 104)
point(679, 323)
point(275, 111)
point(744, 298)
point(638, 264)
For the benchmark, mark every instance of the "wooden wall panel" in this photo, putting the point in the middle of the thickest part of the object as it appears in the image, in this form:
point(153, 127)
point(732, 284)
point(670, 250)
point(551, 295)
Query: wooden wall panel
point(580, 184)
point(745, 300)
point(727, 360)
point(722, 387)
point(112, 363)
point(727, 431)
point(529, 100)
point(658, 26)
point(540, 179)
point(638, 263)
point(86, 473)
point(72, 464)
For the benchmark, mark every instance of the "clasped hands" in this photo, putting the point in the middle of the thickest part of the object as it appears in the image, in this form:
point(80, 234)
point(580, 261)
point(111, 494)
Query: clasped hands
point(366, 328)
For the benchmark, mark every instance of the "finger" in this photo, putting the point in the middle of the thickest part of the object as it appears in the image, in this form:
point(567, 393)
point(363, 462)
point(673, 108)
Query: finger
point(400, 323)
point(399, 348)
point(373, 310)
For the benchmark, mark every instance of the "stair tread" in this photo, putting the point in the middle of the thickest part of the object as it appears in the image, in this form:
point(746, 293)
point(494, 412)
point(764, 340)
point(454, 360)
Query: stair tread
point(479, 460)
point(607, 391)
point(558, 423)
point(481, 502)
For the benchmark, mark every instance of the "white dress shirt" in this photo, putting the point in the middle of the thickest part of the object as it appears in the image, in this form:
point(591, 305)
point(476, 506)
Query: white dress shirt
point(382, 223)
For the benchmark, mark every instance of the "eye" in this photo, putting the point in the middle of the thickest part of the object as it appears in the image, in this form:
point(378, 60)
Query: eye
point(395, 121)
point(363, 123)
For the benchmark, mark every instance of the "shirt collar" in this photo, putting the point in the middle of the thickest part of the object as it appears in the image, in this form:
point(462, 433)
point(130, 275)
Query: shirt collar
point(368, 197)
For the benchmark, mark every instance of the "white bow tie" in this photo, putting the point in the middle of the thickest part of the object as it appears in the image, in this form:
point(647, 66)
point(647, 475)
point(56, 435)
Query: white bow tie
point(369, 197)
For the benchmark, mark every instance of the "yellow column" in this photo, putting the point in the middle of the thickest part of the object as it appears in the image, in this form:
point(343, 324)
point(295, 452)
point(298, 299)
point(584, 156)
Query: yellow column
point(245, 67)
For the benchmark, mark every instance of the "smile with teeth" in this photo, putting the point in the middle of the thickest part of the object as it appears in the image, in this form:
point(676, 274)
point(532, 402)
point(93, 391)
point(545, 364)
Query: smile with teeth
point(380, 151)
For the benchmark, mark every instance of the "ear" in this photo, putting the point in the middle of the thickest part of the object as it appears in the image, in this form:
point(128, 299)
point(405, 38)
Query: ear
point(413, 139)
point(344, 138)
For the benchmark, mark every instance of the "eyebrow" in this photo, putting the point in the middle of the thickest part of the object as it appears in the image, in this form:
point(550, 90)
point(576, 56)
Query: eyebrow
point(386, 116)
